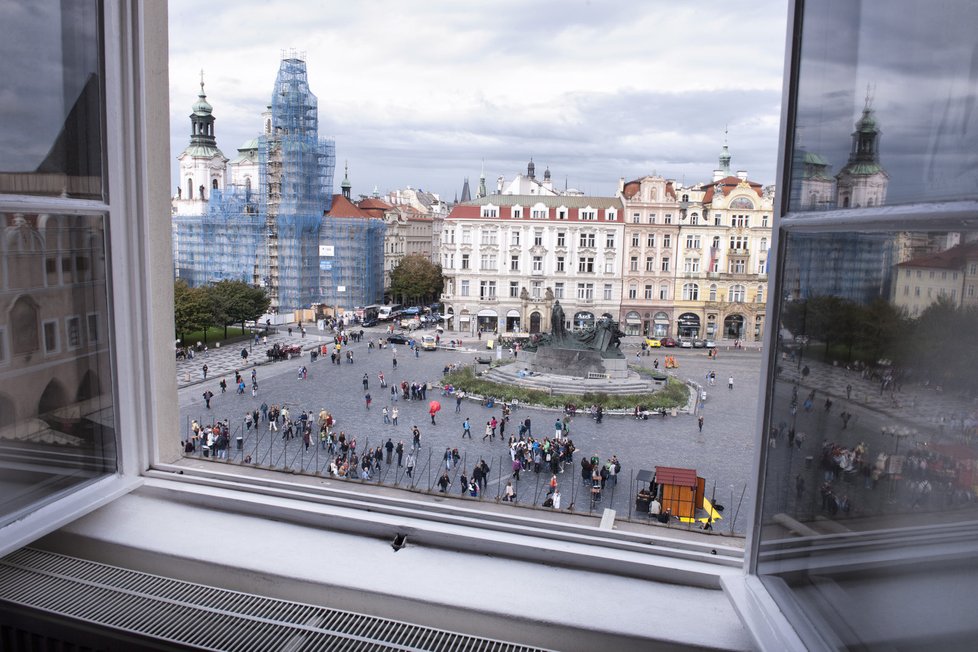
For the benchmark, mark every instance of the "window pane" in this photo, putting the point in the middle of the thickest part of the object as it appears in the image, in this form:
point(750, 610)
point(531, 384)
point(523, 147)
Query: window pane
point(52, 133)
point(871, 427)
point(861, 139)
point(56, 408)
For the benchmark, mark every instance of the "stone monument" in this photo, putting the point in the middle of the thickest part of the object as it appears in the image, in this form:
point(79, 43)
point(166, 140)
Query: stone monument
point(593, 353)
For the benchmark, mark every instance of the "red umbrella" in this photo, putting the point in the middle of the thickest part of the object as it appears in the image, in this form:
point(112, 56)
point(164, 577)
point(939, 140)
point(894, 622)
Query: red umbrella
point(433, 407)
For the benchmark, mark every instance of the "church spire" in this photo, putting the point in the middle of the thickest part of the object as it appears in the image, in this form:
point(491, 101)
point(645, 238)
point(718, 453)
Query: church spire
point(482, 181)
point(346, 179)
point(202, 120)
point(725, 156)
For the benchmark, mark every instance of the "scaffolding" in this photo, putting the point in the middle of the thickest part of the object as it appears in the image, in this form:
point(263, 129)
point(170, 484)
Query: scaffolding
point(296, 180)
point(225, 243)
point(351, 263)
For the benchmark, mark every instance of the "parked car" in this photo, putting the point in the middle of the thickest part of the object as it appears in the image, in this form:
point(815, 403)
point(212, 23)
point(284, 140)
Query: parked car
point(398, 338)
point(698, 343)
point(711, 343)
point(652, 343)
point(667, 341)
point(685, 343)
point(367, 323)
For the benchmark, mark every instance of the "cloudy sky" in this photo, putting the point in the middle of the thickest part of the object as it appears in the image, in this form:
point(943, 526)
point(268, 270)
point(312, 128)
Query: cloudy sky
point(422, 93)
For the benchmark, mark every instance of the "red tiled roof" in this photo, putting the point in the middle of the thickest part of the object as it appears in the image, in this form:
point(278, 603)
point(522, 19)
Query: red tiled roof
point(728, 184)
point(953, 258)
point(373, 202)
point(675, 476)
point(343, 207)
point(631, 188)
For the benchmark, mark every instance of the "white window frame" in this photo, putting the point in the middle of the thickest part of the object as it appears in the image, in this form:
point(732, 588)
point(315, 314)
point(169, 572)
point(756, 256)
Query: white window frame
point(55, 348)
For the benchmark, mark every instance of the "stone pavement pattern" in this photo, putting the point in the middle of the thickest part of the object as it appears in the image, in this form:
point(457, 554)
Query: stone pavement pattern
point(721, 453)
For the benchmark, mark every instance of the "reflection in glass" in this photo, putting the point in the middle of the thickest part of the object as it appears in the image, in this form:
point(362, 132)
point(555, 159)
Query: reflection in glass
point(56, 408)
point(52, 126)
point(860, 138)
point(872, 445)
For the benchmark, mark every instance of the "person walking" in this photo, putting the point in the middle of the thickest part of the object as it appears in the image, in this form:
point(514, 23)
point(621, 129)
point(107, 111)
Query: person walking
point(466, 429)
point(409, 465)
point(204, 369)
point(700, 422)
point(399, 451)
point(389, 449)
point(394, 416)
point(416, 438)
point(387, 418)
point(488, 431)
point(730, 383)
point(208, 395)
point(366, 382)
point(367, 399)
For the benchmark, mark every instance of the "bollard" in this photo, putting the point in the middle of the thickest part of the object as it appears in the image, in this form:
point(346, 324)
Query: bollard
point(239, 443)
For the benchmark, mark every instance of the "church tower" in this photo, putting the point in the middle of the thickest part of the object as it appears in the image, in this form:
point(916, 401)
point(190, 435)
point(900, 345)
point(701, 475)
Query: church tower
point(202, 164)
point(863, 181)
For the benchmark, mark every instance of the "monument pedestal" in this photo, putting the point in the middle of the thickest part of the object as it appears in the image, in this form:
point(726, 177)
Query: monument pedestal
point(577, 363)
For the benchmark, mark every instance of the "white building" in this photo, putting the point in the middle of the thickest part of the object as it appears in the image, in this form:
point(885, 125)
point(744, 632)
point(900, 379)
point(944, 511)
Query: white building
point(507, 258)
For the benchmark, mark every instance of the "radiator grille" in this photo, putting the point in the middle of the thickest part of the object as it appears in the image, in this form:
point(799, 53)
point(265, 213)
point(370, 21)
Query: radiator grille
point(185, 613)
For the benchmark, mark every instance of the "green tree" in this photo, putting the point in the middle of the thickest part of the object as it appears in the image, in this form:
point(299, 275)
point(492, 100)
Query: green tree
point(235, 302)
point(416, 279)
point(192, 309)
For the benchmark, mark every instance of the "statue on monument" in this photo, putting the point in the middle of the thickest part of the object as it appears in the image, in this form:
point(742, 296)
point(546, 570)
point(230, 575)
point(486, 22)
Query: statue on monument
point(524, 295)
point(549, 296)
point(557, 328)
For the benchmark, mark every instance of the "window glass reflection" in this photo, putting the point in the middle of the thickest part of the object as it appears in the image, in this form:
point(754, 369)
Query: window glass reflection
point(52, 108)
point(56, 414)
point(887, 105)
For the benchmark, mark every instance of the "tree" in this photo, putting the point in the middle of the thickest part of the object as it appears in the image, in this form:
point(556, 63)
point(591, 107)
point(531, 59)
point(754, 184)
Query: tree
point(416, 279)
point(192, 309)
point(236, 302)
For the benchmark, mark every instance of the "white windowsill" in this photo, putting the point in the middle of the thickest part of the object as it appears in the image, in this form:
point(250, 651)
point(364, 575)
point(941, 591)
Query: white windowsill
point(228, 538)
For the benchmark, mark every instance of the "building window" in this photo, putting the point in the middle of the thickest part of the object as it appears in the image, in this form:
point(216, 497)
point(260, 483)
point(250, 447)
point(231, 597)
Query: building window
point(490, 237)
point(651, 218)
point(463, 287)
point(514, 263)
point(487, 262)
point(650, 263)
point(610, 215)
point(692, 242)
point(735, 294)
point(716, 219)
point(691, 265)
point(649, 292)
point(538, 214)
point(538, 264)
point(664, 292)
point(691, 292)
point(713, 292)
point(514, 289)
point(562, 214)
point(560, 264)
point(487, 289)
point(667, 218)
point(760, 294)
point(73, 329)
point(665, 264)
point(764, 221)
point(52, 343)
point(632, 291)
point(650, 241)
point(517, 212)
point(561, 239)
point(609, 241)
point(558, 290)
point(636, 218)
point(586, 265)
point(633, 264)
point(585, 291)
point(465, 261)
point(538, 238)
point(588, 215)
point(609, 266)
point(466, 236)
point(635, 239)
point(515, 238)
point(608, 290)
point(535, 289)
point(490, 211)
point(667, 241)
point(737, 266)
point(587, 240)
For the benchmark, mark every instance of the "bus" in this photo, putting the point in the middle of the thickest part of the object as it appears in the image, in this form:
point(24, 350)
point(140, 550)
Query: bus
point(387, 313)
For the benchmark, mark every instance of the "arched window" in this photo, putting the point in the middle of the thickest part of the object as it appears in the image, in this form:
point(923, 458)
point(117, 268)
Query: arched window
point(763, 245)
point(190, 188)
point(664, 292)
point(716, 242)
point(713, 292)
point(760, 294)
point(691, 292)
point(24, 327)
point(736, 294)
point(214, 184)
